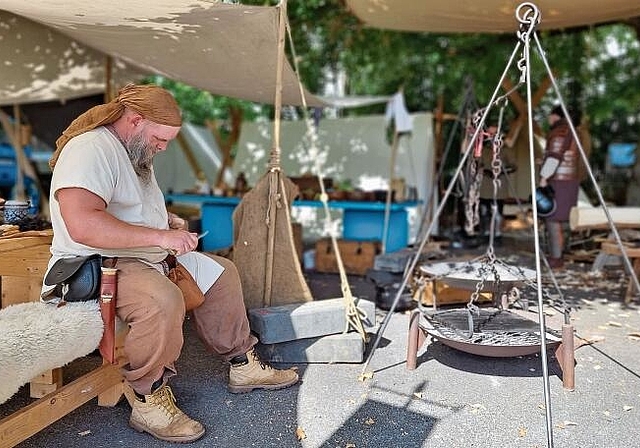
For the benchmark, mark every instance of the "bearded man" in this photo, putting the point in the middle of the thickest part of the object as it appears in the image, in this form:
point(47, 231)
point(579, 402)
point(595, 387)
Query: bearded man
point(105, 199)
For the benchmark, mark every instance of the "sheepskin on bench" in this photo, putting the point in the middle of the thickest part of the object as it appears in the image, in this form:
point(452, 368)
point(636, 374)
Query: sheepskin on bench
point(36, 337)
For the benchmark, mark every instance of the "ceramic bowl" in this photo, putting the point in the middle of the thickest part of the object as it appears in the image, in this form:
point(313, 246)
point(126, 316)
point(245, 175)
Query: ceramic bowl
point(15, 211)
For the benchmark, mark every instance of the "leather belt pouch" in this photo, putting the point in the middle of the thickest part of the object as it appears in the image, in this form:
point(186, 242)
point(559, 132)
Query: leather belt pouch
point(76, 279)
point(179, 275)
point(191, 293)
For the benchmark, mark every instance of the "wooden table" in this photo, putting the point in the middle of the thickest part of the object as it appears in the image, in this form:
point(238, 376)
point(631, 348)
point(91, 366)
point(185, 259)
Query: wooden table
point(23, 263)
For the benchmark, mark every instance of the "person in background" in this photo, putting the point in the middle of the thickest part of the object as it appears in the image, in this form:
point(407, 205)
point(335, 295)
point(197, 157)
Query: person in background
point(105, 199)
point(560, 170)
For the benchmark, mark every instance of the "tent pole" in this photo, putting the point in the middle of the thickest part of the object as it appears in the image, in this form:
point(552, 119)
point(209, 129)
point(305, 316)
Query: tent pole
point(387, 206)
point(19, 190)
point(274, 161)
point(236, 115)
point(191, 158)
point(23, 165)
point(108, 85)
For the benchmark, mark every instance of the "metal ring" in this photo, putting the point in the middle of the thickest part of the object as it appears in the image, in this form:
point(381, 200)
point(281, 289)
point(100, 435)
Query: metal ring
point(531, 15)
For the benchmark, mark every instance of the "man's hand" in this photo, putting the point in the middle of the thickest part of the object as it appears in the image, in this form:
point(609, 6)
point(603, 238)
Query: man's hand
point(177, 223)
point(179, 242)
point(543, 182)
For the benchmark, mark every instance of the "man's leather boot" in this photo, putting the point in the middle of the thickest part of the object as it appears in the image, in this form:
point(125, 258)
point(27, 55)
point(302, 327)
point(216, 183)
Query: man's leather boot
point(158, 415)
point(555, 263)
point(249, 372)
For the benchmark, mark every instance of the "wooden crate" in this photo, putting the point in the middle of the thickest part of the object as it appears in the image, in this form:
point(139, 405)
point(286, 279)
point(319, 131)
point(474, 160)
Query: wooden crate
point(357, 256)
point(443, 294)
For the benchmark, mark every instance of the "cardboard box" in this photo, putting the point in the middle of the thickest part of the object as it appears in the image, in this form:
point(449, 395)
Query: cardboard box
point(357, 256)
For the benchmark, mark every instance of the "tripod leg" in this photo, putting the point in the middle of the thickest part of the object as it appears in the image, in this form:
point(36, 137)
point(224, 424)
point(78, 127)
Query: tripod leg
point(416, 339)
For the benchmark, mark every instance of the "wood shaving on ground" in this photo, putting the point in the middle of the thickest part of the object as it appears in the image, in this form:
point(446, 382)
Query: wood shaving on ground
point(565, 424)
point(300, 434)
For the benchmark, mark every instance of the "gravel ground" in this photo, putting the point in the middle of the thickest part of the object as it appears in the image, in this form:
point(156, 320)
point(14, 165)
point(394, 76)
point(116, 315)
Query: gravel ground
point(452, 399)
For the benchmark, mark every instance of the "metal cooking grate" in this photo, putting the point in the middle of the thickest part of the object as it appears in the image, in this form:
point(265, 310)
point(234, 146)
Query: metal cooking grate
point(492, 326)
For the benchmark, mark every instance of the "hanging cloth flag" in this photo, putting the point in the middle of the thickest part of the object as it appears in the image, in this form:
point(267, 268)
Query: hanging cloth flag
point(398, 114)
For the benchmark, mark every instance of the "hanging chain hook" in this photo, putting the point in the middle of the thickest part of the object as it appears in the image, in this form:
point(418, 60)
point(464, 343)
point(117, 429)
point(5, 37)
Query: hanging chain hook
point(528, 15)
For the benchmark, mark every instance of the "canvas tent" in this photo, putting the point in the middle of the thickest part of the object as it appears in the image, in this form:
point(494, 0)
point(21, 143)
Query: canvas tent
point(51, 51)
point(486, 16)
point(227, 49)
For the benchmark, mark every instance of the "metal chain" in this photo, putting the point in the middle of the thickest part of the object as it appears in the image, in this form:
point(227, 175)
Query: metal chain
point(496, 171)
point(472, 204)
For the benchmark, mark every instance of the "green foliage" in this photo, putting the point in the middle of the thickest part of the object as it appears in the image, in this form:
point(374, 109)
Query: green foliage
point(198, 106)
point(597, 69)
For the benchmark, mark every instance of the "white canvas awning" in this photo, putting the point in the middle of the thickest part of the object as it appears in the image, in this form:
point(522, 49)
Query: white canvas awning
point(52, 49)
point(486, 16)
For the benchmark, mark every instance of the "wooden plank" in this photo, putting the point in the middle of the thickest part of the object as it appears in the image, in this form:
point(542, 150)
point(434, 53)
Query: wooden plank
point(25, 239)
point(24, 259)
point(581, 218)
point(45, 383)
point(612, 248)
point(31, 419)
point(14, 290)
point(20, 289)
point(111, 396)
point(29, 233)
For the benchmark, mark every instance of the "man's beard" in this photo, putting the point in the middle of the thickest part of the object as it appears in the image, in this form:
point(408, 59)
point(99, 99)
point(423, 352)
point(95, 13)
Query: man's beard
point(141, 155)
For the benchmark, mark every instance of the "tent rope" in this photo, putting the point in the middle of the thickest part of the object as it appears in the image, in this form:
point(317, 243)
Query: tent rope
point(274, 161)
point(353, 313)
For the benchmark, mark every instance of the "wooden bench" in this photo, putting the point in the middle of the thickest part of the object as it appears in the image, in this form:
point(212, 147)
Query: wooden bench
point(626, 220)
point(633, 253)
point(23, 263)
